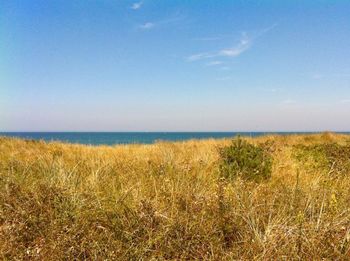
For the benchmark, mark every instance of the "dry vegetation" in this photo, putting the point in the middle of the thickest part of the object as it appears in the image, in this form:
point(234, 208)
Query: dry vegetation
point(169, 201)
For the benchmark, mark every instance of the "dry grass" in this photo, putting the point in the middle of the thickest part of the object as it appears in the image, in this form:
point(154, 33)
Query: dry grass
point(166, 201)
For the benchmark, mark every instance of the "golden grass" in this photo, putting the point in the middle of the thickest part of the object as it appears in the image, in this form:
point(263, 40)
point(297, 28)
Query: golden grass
point(166, 201)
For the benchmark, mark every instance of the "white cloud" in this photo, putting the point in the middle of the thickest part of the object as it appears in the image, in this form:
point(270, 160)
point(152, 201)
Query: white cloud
point(198, 56)
point(243, 45)
point(265, 30)
point(345, 101)
point(147, 26)
point(213, 63)
point(136, 6)
point(161, 23)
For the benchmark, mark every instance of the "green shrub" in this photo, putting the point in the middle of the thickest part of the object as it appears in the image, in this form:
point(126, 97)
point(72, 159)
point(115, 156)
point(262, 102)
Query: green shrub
point(245, 160)
point(332, 157)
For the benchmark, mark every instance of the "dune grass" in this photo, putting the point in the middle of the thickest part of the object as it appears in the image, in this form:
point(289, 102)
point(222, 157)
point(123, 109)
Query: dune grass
point(168, 201)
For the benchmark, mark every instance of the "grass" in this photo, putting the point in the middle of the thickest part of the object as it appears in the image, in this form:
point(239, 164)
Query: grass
point(168, 201)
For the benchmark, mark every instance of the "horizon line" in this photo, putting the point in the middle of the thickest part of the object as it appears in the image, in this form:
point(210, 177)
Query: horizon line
point(179, 131)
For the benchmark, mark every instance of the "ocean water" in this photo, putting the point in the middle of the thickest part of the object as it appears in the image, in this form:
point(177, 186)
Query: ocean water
point(112, 138)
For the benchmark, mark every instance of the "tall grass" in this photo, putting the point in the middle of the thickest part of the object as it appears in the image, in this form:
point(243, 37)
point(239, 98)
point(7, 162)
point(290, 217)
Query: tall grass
point(169, 201)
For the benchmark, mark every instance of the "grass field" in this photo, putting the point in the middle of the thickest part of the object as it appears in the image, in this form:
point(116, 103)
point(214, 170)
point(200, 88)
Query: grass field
point(168, 201)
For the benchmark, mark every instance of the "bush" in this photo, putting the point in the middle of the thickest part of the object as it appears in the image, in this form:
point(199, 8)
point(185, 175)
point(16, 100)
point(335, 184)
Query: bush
point(245, 160)
point(330, 156)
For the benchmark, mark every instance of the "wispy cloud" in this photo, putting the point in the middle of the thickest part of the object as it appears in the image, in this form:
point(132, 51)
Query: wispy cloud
point(345, 101)
point(266, 30)
point(198, 56)
point(243, 45)
point(245, 42)
point(171, 20)
point(147, 26)
point(214, 63)
point(136, 6)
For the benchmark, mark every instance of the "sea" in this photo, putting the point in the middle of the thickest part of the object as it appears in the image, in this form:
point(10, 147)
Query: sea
point(114, 138)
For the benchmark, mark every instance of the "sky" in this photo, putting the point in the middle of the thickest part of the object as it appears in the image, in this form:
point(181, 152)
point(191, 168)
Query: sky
point(152, 65)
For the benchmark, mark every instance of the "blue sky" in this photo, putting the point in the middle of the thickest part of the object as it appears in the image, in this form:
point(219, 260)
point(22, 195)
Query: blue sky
point(114, 65)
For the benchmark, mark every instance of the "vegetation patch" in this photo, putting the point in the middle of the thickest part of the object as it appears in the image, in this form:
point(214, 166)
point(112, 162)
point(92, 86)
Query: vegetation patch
point(165, 202)
point(331, 156)
point(245, 160)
